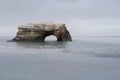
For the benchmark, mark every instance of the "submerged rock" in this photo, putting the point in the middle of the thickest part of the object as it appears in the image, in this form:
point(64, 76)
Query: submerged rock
point(39, 31)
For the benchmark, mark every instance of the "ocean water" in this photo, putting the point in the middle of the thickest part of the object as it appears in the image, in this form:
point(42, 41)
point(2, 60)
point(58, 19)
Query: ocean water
point(85, 58)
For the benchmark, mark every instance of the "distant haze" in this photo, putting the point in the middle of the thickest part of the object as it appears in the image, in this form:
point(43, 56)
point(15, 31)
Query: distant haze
point(82, 17)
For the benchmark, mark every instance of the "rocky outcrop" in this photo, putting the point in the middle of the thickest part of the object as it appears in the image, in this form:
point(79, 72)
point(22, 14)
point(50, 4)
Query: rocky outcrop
point(39, 31)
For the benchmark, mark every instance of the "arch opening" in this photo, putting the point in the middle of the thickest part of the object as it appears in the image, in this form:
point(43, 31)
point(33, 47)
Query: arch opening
point(50, 38)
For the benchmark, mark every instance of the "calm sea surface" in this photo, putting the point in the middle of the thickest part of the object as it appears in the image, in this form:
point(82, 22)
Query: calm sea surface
point(85, 58)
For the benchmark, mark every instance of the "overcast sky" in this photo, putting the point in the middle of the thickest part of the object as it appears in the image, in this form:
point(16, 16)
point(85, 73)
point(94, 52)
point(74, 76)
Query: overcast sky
point(82, 17)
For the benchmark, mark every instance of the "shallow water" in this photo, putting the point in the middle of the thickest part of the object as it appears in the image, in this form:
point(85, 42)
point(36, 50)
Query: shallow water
point(85, 58)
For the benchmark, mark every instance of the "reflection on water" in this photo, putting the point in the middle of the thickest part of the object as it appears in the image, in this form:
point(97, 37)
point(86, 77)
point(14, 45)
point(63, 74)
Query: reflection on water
point(41, 45)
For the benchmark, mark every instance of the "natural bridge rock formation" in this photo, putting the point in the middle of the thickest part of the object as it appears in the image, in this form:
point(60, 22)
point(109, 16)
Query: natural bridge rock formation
point(39, 31)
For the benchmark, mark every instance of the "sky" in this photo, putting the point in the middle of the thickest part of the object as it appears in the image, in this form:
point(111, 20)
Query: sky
point(82, 17)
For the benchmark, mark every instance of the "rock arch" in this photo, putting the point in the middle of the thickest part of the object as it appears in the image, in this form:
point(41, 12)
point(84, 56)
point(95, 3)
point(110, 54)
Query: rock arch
point(39, 31)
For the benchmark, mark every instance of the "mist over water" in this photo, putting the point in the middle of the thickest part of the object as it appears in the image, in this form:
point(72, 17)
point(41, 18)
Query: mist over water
point(85, 58)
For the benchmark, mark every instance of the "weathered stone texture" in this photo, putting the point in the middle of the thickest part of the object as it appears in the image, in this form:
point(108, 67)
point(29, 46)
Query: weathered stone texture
point(39, 31)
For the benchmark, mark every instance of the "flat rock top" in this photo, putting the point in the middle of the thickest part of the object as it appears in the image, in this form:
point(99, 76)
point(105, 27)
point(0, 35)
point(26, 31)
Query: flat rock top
point(43, 26)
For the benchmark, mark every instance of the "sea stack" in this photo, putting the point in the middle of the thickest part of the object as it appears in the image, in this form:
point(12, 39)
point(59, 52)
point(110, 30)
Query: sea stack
point(39, 31)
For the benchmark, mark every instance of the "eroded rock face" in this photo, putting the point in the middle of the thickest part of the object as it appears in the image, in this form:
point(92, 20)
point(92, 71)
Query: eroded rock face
point(39, 31)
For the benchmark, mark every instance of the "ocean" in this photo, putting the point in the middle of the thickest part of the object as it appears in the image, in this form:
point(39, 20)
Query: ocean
point(84, 58)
